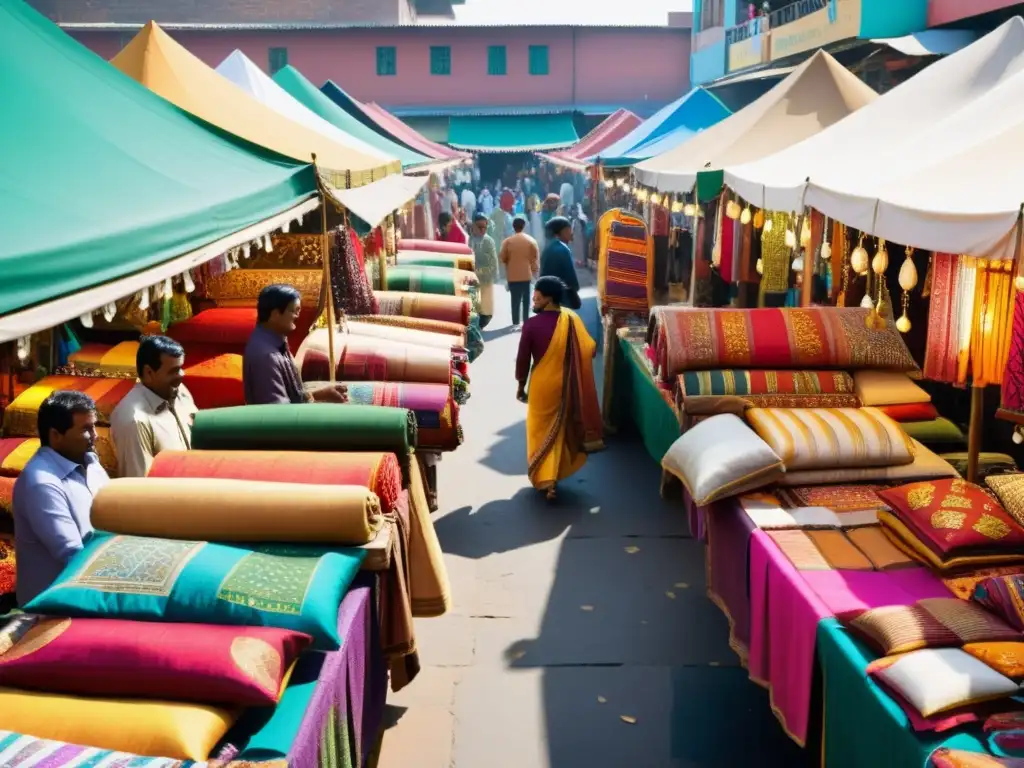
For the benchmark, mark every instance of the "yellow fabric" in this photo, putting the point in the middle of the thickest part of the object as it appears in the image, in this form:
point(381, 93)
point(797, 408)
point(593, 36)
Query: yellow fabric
point(16, 460)
point(887, 388)
point(154, 59)
point(926, 465)
point(545, 422)
point(120, 359)
point(911, 545)
point(832, 438)
point(205, 509)
point(140, 726)
point(429, 588)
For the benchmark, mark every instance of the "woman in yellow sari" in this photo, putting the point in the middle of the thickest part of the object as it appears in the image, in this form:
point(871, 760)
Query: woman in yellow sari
point(563, 417)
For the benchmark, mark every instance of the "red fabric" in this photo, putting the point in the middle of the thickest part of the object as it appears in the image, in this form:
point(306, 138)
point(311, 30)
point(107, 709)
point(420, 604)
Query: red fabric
point(1013, 378)
point(507, 201)
point(953, 517)
point(8, 563)
point(357, 246)
point(910, 412)
point(181, 662)
point(379, 472)
point(217, 382)
point(7, 497)
point(225, 330)
point(728, 237)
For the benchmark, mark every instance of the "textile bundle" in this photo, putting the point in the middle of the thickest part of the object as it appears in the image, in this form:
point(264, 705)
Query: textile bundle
point(625, 263)
point(350, 289)
point(444, 281)
point(225, 330)
point(105, 360)
point(450, 309)
point(8, 563)
point(217, 382)
point(427, 259)
point(686, 339)
point(313, 427)
point(1013, 377)
point(438, 246)
point(220, 509)
point(437, 414)
point(15, 453)
point(405, 335)
point(457, 330)
point(769, 389)
point(7, 495)
point(21, 416)
point(369, 359)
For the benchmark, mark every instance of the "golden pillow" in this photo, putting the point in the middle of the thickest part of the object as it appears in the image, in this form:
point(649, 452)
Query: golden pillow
point(887, 388)
point(140, 726)
point(1010, 490)
point(832, 438)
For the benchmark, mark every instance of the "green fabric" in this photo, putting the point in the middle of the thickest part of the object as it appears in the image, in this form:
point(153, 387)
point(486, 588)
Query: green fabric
point(863, 726)
point(637, 400)
point(150, 579)
point(411, 260)
point(421, 280)
point(308, 427)
point(101, 178)
point(940, 431)
point(709, 185)
point(310, 97)
point(512, 133)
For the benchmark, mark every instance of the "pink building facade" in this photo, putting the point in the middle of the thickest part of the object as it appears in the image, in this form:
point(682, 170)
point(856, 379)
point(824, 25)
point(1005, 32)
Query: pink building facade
point(948, 11)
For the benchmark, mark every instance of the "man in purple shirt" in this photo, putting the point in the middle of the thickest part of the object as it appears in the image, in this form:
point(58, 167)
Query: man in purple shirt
point(53, 495)
point(269, 373)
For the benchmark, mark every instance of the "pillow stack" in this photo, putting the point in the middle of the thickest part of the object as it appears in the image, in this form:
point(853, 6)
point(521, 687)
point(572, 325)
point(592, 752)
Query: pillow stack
point(895, 395)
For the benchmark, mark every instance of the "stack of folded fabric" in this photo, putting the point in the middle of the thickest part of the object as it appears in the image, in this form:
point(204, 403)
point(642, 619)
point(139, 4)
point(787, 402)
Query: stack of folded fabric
point(444, 281)
point(423, 258)
point(951, 525)
point(433, 405)
point(423, 337)
point(897, 396)
point(455, 330)
point(436, 246)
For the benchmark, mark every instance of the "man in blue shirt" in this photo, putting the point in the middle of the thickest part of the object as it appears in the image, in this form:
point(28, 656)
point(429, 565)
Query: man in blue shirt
point(556, 260)
point(53, 496)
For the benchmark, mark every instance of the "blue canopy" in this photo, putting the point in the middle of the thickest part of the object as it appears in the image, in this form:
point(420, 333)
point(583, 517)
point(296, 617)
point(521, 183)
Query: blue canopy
point(666, 128)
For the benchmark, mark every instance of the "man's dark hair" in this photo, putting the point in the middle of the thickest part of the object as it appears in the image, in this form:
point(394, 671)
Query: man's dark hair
point(519, 223)
point(152, 349)
point(556, 225)
point(58, 412)
point(443, 219)
point(275, 297)
point(551, 287)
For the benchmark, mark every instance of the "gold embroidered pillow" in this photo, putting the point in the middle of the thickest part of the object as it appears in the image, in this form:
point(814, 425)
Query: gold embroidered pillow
point(829, 438)
point(1010, 490)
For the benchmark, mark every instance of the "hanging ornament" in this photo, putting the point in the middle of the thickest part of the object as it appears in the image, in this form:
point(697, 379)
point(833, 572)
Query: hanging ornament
point(24, 347)
point(826, 251)
point(732, 210)
point(908, 272)
point(168, 291)
point(689, 209)
point(767, 223)
point(1018, 435)
point(86, 320)
point(268, 243)
point(621, 183)
point(608, 183)
point(677, 206)
point(144, 299)
point(758, 218)
point(798, 264)
point(880, 262)
point(859, 258)
point(790, 239)
point(746, 216)
point(186, 278)
point(655, 199)
point(286, 227)
point(625, 188)
point(867, 302)
point(760, 266)
point(109, 311)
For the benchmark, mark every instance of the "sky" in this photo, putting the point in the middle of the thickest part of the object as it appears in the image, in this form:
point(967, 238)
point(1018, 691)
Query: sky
point(568, 11)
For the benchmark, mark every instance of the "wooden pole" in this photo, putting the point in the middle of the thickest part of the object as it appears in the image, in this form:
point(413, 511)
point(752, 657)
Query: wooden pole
point(974, 432)
point(325, 251)
point(810, 261)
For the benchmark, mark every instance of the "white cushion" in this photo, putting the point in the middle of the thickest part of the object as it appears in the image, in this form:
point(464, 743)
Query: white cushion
point(936, 679)
point(721, 456)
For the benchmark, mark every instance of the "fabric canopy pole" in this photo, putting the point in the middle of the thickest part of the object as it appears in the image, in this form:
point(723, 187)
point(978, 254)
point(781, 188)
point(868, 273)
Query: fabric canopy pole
point(325, 253)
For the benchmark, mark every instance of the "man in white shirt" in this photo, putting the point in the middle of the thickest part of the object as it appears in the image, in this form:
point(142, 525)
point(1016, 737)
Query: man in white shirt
point(469, 203)
point(157, 414)
point(486, 202)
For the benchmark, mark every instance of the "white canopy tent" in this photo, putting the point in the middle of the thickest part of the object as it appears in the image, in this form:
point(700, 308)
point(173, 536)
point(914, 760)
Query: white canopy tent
point(815, 95)
point(935, 163)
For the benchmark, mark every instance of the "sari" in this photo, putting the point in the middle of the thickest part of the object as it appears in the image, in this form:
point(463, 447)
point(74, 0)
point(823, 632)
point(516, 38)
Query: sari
point(563, 417)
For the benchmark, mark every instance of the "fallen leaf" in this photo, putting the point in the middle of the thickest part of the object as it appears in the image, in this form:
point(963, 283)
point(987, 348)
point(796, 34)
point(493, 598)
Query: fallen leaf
point(681, 585)
point(628, 719)
point(714, 664)
point(632, 550)
point(594, 510)
point(643, 621)
point(516, 655)
point(586, 607)
point(670, 595)
point(602, 700)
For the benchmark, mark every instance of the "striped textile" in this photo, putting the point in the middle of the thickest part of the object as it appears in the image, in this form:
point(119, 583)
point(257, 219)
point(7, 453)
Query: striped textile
point(15, 453)
point(428, 306)
point(625, 263)
point(18, 751)
point(21, 415)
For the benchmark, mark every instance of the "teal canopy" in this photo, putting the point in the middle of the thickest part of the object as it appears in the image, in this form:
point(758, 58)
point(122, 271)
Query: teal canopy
point(310, 97)
point(512, 133)
point(102, 179)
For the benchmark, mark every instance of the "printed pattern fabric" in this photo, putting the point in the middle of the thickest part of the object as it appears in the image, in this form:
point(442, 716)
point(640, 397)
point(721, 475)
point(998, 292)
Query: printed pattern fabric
point(139, 566)
point(1010, 490)
point(856, 549)
point(1005, 596)
point(780, 389)
point(944, 757)
point(350, 288)
point(626, 263)
point(838, 498)
point(687, 339)
point(1013, 377)
point(21, 415)
point(8, 563)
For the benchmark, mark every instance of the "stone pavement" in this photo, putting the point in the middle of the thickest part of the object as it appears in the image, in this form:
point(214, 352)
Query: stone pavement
point(580, 634)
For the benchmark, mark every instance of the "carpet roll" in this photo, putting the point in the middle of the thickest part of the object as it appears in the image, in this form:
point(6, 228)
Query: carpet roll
point(436, 412)
point(205, 509)
point(308, 427)
point(428, 259)
point(450, 309)
point(437, 246)
point(444, 281)
point(405, 335)
point(363, 358)
point(378, 472)
point(458, 330)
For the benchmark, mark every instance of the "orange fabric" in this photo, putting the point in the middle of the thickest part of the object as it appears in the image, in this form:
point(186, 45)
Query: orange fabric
point(882, 553)
point(217, 382)
point(839, 551)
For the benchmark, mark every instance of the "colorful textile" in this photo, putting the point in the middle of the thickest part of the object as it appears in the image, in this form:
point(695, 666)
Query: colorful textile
point(988, 463)
point(944, 757)
point(361, 358)
point(926, 465)
point(1010, 490)
point(147, 579)
point(449, 309)
point(8, 560)
point(350, 289)
point(180, 730)
point(217, 382)
point(887, 388)
point(457, 330)
point(744, 383)
point(225, 330)
point(686, 339)
point(1005, 596)
point(881, 552)
point(838, 498)
point(406, 336)
point(451, 261)
point(563, 415)
point(249, 510)
point(953, 519)
point(437, 414)
point(939, 434)
point(944, 319)
point(963, 585)
point(910, 412)
point(443, 281)
point(21, 415)
point(30, 752)
point(15, 453)
point(828, 438)
point(202, 663)
point(1006, 657)
point(104, 360)
point(625, 263)
point(313, 427)
point(1013, 377)
point(932, 623)
point(1006, 733)
point(434, 245)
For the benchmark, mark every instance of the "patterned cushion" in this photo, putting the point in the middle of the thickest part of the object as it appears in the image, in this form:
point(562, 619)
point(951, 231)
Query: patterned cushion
point(1005, 732)
point(944, 757)
point(931, 623)
point(21, 416)
point(887, 388)
point(826, 438)
point(1005, 596)
point(910, 412)
point(926, 466)
point(182, 662)
point(1010, 490)
point(146, 579)
point(1005, 657)
point(721, 457)
point(935, 680)
point(772, 389)
point(954, 518)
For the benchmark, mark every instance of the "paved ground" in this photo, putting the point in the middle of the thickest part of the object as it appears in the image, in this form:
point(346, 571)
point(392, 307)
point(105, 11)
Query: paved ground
point(569, 621)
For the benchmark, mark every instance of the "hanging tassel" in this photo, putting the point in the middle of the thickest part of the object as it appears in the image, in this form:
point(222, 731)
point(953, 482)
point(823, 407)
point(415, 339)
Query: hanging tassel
point(186, 278)
point(246, 250)
point(268, 243)
point(144, 299)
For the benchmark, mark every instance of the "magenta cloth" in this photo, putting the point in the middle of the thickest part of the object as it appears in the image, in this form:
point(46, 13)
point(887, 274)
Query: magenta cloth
point(1013, 378)
point(785, 607)
point(695, 518)
point(728, 529)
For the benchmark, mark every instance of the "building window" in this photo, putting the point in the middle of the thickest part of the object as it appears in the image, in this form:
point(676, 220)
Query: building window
point(538, 59)
point(278, 59)
point(387, 60)
point(712, 14)
point(440, 60)
point(496, 60)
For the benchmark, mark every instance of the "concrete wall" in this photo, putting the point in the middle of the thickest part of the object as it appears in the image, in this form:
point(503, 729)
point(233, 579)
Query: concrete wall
point(586, 66)
point(946, 11)
point(708, 64)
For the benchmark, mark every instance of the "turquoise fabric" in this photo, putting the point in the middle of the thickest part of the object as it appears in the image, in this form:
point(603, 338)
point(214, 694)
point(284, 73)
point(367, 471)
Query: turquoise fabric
point(637, 400)
point(863, 726)
point(512, 133)
point(148, 579)
point(101, 178)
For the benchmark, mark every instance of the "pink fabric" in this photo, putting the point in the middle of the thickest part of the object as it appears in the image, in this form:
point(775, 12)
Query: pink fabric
point(786, 606)
point(728, 529)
